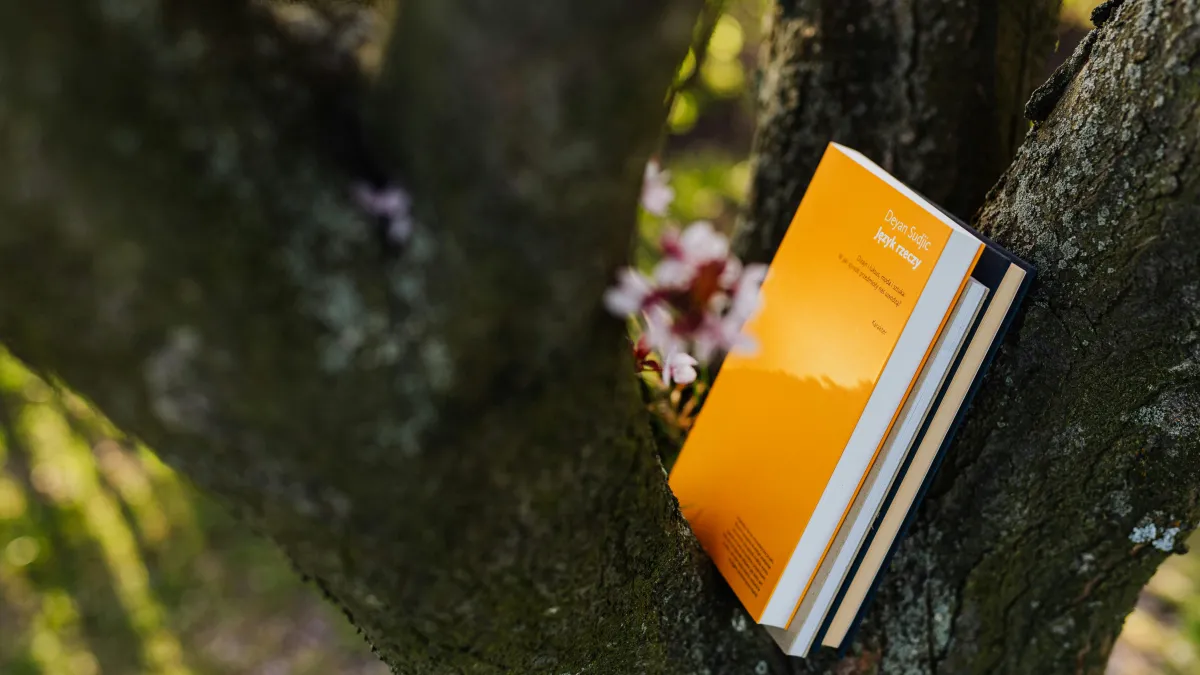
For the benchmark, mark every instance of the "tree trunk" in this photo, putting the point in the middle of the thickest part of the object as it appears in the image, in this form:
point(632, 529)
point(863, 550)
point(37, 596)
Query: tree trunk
point(446, 438)
point(931, 90)
point(1076, 473)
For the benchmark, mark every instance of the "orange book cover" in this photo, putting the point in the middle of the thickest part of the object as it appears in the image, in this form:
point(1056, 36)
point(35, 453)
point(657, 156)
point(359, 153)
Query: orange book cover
point(837, 298)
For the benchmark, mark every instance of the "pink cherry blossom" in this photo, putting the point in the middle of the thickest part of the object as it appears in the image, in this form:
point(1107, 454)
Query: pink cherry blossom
point(708, 339)
point(391, 203)
point(680, 368)
point(695, 303)
point(733, 339)
point(672, 273)
point(384, 201)
point(746, 297)
point(685, 253)
point(731, 273)
point(660, 333)
point(700, 243)
point(657, 194)
point(630, 293)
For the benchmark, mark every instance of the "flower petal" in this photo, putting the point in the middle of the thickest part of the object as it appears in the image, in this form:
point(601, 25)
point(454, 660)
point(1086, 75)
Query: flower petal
point(700, 243)
point(630, 293)
point(657, 194)
point(731, 273)
point(389, 201)
point(674, 274)
point(659, 335)
point(680, 367)
point(747, 295)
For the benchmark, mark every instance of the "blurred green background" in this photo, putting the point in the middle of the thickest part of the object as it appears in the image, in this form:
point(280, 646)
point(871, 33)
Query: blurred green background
point(109, 563)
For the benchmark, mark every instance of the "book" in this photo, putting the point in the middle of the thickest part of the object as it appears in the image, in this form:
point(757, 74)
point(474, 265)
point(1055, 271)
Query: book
point(872, 303)
point(1009, 279)
point(862, 513)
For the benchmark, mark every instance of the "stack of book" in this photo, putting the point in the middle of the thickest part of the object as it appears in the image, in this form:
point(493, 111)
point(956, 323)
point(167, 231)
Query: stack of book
point(880, 315)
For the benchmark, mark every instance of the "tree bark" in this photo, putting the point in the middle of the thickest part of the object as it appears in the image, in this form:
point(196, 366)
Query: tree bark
point(931, 90)
point(1076, 473)
point(447, 439)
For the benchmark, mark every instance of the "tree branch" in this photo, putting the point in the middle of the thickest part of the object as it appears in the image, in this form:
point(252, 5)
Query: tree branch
point(1075, 474)
point(446, 439)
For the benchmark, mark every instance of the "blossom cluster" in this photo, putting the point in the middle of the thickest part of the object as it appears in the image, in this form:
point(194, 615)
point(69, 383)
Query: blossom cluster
point(693, 305)
point(390, 203)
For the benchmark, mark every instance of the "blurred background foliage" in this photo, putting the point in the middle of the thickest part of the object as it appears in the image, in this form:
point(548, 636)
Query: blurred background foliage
point(1162, 634)
point(111, 564)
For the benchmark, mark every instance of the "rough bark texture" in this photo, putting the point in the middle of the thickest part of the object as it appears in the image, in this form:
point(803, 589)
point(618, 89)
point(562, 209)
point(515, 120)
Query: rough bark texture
point(932, 90)
point(1077, 471)
point(446, 438)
